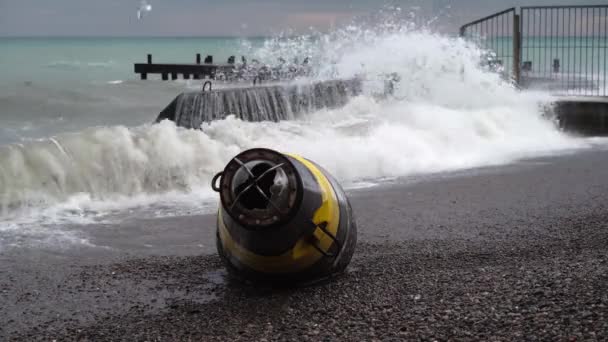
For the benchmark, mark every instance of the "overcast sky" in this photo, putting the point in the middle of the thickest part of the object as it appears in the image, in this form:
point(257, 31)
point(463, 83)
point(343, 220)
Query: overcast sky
point(223, 17)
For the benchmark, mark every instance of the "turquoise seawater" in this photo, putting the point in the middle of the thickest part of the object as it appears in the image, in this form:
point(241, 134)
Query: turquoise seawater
point(54, 85)
point(588, 55)
point(103, 59)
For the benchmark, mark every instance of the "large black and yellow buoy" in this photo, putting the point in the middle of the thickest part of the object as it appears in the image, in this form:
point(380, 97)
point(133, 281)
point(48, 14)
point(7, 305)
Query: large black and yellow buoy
point(282, 219)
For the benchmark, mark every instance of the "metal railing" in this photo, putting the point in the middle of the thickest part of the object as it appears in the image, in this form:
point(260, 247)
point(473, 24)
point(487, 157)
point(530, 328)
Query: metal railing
point(563, 49)
point(495, 33)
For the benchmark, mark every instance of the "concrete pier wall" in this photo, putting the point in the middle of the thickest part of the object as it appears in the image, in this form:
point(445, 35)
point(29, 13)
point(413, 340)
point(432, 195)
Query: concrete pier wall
point(583, 115)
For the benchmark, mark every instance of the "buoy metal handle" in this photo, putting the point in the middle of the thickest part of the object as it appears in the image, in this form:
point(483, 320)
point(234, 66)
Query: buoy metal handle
point(205, 86)
point(214, 185)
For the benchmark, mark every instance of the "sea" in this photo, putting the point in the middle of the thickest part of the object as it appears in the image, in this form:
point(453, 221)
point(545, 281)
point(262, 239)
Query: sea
point(79, 146)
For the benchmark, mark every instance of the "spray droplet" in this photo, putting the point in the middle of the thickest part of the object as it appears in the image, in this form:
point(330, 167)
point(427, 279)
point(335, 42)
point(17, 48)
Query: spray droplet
point(144, 7)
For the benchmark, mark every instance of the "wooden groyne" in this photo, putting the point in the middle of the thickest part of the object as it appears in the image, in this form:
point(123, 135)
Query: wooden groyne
point(196, 70)
point(229, 71)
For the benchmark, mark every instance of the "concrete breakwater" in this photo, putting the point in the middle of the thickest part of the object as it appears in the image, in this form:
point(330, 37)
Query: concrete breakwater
point(259, 103)
point(583, 115)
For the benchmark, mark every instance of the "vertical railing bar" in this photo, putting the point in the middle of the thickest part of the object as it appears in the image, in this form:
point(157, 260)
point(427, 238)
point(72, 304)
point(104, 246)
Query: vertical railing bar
point(583, 47)
point(551, 43)
point(581, 43)
point(485, 35)
point(542, 33)
point(502, 38)
point(503, 45)
point(491, 30)
point(509, 42)
point(604, 34)
point(498, 40)
point(494, 46)
point(528, 35)
point(591, 46)
point(480, 35)
point(586, 49)
point(539, 34)
point(558, 47)
point(574, 39)
point(499, 43)
point(593, 49)
point(601, 34)
point(605, 49)
point(517, 48)
point(494, 42)
point(570, 57)
point(542, 30)
point(535, 62)
point(580, 71)
point(599, 52)
point(479, 32)
point(490, 41)
point(511, 46)
point(547, 42)
point(554, 37)
point(488, 34)
point(554, 29)
point(562, 48)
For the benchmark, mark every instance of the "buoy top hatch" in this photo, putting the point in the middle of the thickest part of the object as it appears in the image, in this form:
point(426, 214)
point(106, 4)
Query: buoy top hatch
point(260, 189)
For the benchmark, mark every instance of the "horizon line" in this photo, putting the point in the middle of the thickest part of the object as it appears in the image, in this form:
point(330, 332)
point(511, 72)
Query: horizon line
point(126, 36)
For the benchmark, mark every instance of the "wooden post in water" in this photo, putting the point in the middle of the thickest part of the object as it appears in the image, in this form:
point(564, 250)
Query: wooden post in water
point(198, 61)
point(173, 76)
point(165, 76)
point(144, 76)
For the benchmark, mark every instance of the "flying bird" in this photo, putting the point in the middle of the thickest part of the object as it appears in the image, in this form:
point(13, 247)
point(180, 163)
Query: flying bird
point(144, 7)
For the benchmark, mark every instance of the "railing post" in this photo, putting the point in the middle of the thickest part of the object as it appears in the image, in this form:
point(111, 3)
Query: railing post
point(517, 49)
